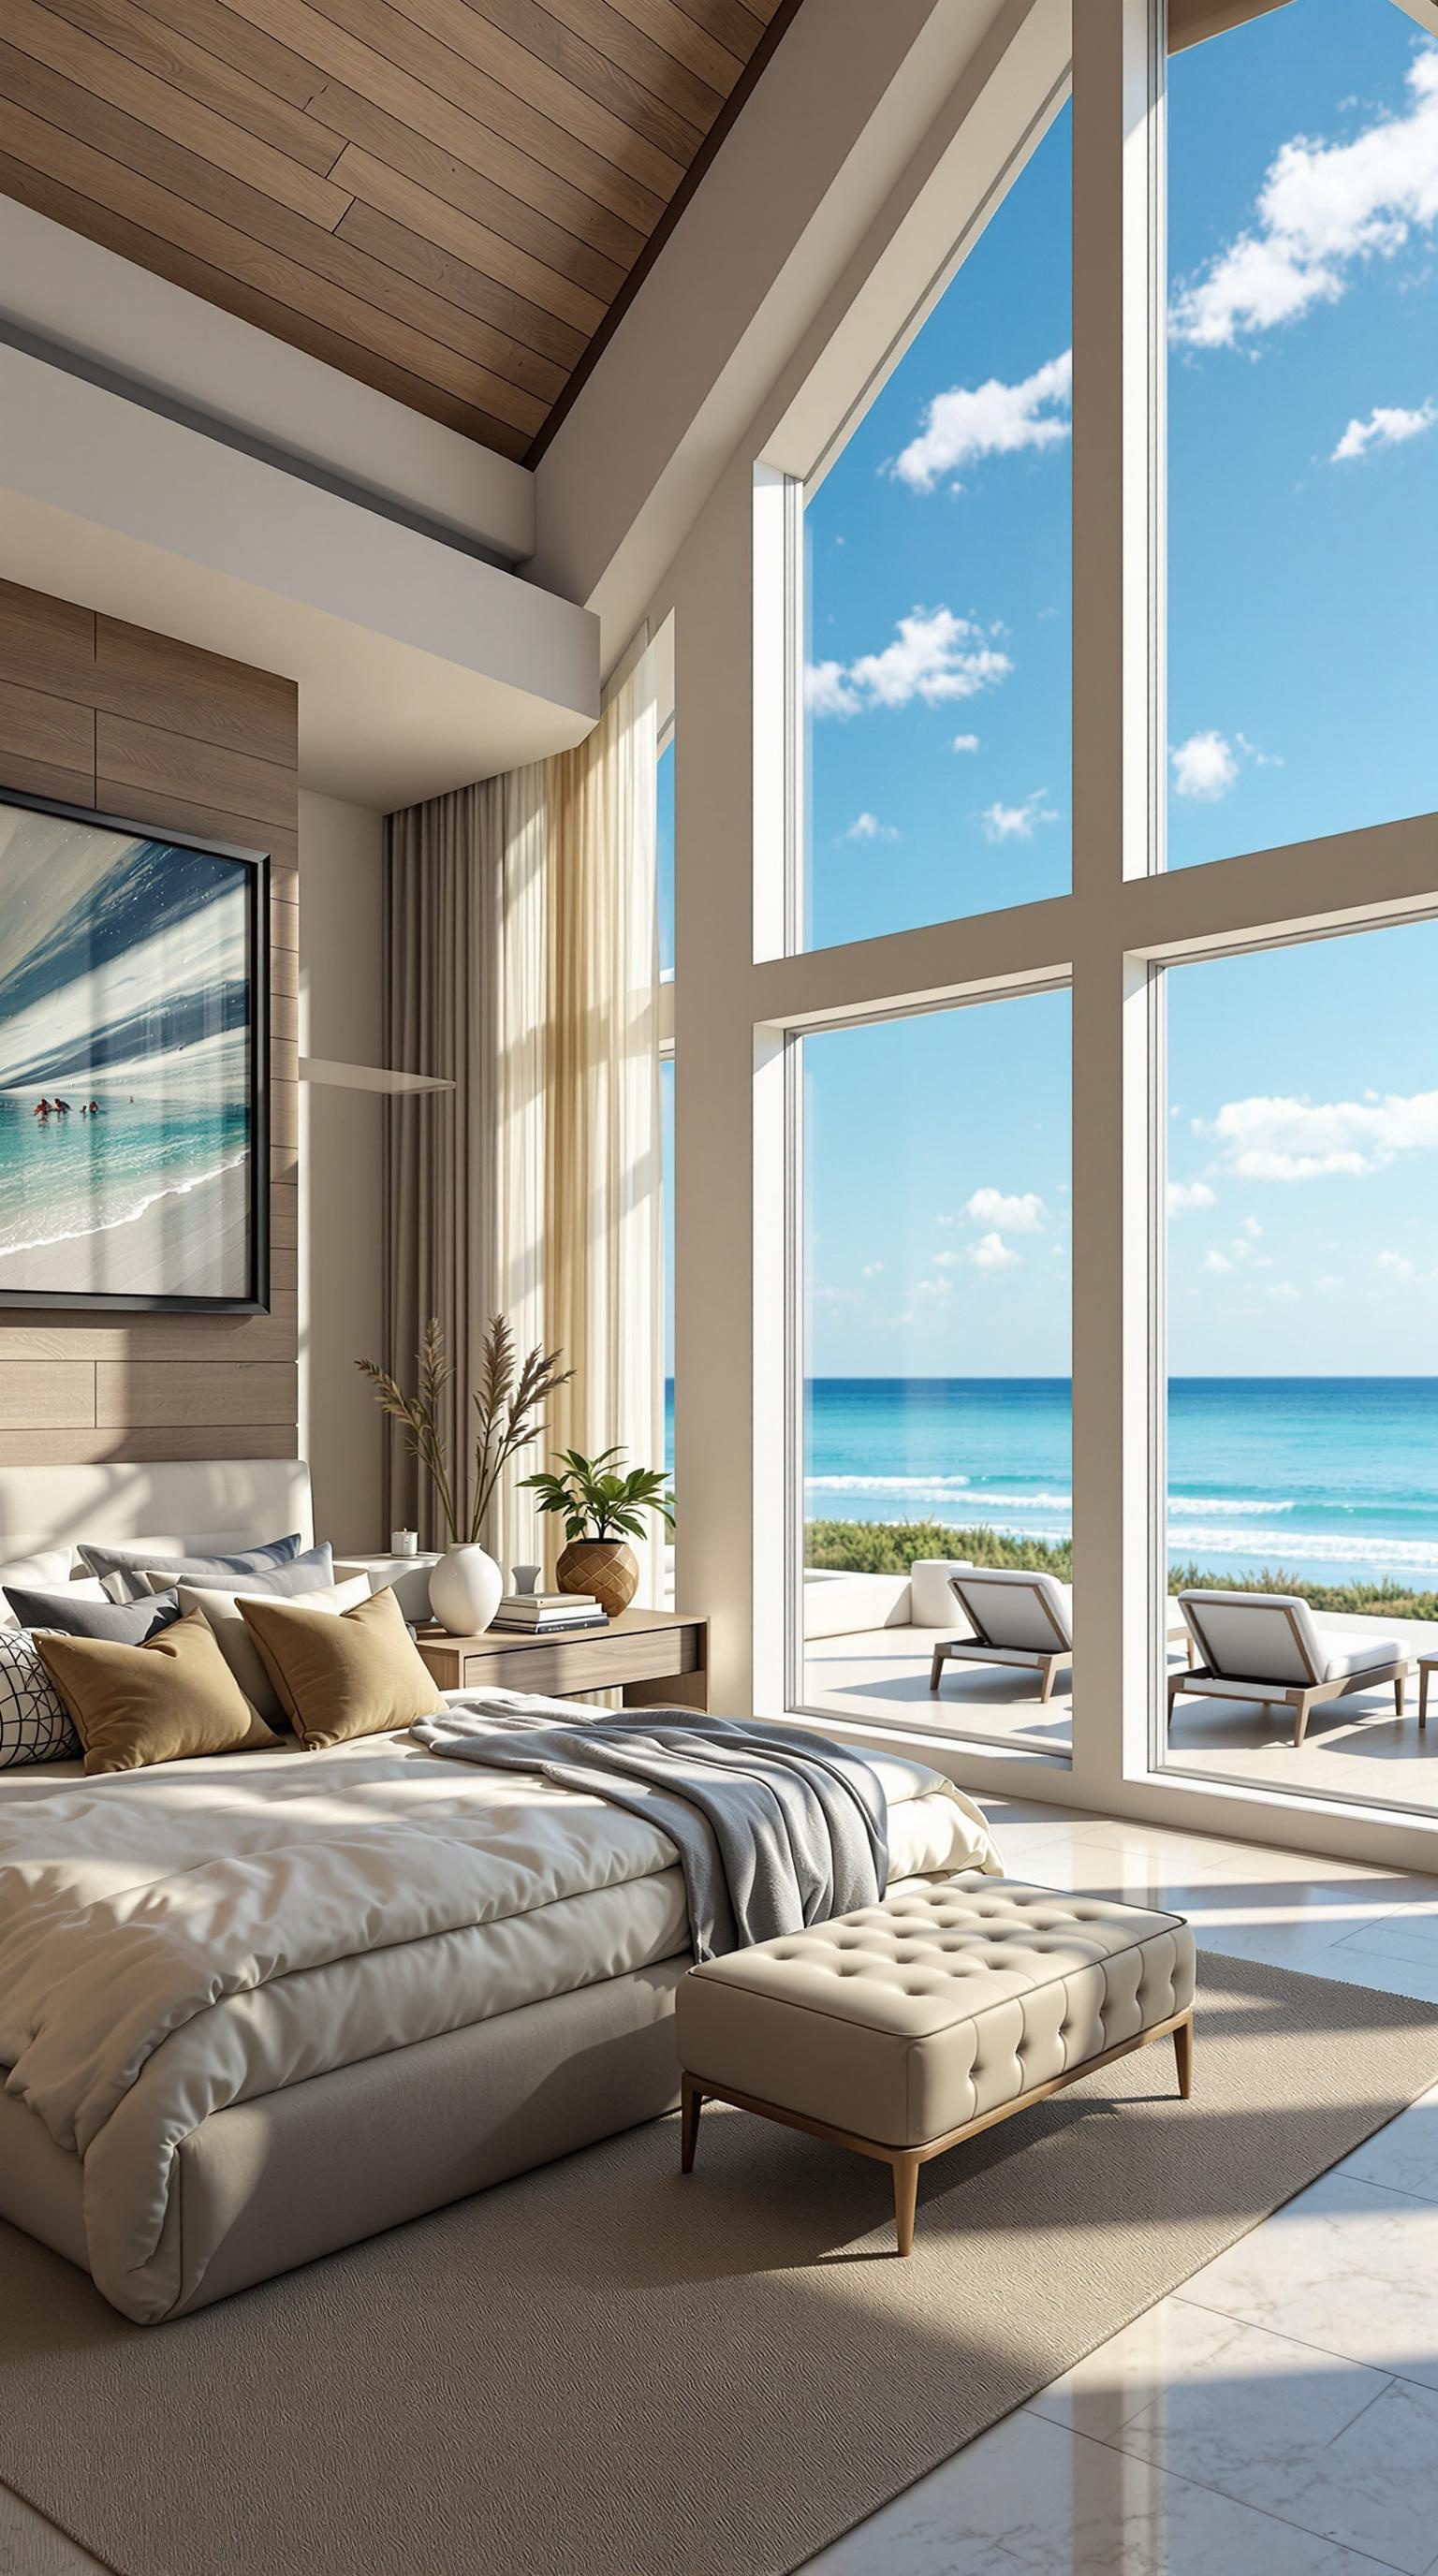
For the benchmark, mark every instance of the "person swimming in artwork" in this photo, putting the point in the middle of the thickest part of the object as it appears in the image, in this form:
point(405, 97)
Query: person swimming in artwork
point(62, 1105)
point(42, 1107)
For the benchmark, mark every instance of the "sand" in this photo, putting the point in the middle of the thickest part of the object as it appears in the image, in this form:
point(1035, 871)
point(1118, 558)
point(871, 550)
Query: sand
point(189, 1243)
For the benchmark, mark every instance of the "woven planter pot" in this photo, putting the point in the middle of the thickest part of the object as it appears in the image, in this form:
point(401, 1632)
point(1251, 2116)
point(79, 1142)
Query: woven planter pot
point(604, 1566)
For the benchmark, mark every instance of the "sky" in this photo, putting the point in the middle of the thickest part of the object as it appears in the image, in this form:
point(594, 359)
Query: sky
point(1303, 576)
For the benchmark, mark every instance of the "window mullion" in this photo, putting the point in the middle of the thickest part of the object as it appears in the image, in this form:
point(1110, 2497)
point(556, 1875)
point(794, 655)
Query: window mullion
point(1119, 55)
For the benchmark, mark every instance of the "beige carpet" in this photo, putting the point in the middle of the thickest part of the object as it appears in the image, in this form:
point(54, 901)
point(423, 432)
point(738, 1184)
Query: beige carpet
point(602, 2370)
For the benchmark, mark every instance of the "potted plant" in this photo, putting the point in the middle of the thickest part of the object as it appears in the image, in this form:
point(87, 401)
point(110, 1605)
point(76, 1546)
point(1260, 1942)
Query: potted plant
point(466, 1586)
point(601, 1509)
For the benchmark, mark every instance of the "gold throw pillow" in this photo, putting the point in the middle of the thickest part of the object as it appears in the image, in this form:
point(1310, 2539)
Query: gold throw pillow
point(161, 1701)
point(358, 1674)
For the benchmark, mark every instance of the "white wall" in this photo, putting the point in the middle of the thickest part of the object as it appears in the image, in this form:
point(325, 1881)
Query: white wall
point(342, 1165)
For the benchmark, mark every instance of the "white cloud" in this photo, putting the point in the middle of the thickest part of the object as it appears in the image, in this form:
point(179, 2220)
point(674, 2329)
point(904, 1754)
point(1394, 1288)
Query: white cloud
point(1396, 1264)
point(867, 827)
point(1260, 759)
point(992, 1253)
point(1253, 1229)
point(1189, 1194)
point(970, 422)
point(965, 742)
point(1283, 1290)
point(1016, 822)
point(1302, 1140)
point(1204, 766)
point(871, 1270)
point(934, 1288)
point(1322, 208)
point(1023, 1215)
point(1217, 1261)
point(1387, 425)
point(934, 656)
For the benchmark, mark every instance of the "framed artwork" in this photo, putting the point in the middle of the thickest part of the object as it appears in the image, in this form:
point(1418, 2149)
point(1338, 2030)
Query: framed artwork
point(134, 982)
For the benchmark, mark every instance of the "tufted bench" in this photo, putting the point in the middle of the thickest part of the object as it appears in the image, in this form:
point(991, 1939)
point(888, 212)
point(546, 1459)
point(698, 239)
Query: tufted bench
point(913, 2024)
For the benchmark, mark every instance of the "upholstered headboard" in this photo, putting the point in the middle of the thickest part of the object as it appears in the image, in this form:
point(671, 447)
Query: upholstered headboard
point(234, 1501)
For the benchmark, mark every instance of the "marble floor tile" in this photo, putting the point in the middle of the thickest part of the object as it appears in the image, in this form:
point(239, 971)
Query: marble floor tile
point(1126, 2375)
point(1343, 2450)
point(1404, 2156)
point(30, 2546)
point(1033, 2499)
point(1347, 2266)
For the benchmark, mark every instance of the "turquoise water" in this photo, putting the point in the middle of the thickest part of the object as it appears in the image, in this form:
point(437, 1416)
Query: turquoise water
point(65, 1176)
point(1332, 1479)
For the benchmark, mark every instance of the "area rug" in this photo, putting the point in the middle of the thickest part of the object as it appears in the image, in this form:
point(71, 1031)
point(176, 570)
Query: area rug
point(605, 2370)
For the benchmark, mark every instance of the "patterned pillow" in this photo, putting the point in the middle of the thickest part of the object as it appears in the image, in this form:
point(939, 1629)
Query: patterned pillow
point(35, 1725)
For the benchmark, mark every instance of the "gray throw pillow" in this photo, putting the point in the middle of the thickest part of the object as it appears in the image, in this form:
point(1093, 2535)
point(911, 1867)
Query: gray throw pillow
point(131, 1563)
point(126, 1623)
point(312, 1572)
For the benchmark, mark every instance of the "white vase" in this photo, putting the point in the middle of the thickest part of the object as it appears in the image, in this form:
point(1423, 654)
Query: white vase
point(465, 1590)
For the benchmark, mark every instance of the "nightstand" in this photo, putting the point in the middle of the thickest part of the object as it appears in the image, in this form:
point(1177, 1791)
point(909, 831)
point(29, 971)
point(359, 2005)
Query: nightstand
point(652, 1656)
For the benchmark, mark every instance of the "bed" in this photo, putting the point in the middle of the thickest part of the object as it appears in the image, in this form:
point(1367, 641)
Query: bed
point(257, 2007)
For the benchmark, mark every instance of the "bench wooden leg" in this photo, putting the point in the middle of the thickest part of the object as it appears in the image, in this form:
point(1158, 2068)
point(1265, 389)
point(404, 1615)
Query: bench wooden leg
point(1398, 1681)
point(906, 2197)
point(1183, 2058)
point(1046, 1686)
point(691, 2104)
point(936, 1667)
point(1422, 1694)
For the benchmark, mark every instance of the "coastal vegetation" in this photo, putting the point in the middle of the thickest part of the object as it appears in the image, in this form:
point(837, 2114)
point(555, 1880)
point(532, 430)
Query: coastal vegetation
point(891, 1547)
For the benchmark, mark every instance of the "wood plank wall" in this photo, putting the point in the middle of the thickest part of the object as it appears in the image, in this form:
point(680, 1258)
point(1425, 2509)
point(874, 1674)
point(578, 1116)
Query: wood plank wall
point(98, 713)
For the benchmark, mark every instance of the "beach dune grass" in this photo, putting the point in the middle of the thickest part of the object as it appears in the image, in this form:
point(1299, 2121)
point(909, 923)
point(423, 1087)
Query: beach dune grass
point(891, 1547)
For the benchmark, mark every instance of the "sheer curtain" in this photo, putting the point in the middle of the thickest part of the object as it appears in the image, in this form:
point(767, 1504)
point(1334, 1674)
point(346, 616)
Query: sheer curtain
point(603, 1274)
point(523, 966)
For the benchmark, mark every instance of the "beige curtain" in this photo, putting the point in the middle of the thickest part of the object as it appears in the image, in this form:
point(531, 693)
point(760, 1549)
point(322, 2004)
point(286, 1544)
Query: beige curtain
point(523, 966)
point(603, 1283)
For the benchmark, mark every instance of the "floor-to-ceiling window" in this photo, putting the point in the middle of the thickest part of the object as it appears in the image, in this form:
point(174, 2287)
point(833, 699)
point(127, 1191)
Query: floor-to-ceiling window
point(936, 675)
point(1228, 853)
point(1302, 428)
point(1301, 1112)
point(936, 1354)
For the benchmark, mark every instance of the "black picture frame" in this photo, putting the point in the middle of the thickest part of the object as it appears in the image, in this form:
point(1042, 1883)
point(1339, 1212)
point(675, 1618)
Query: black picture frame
point(257, 863)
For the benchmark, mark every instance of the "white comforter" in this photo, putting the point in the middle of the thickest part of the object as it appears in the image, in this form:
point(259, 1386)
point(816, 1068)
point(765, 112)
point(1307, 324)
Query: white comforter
point(176, 1940)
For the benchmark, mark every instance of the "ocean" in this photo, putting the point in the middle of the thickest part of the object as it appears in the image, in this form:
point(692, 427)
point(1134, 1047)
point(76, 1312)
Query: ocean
point(1333, 1479)
point(63, 1178)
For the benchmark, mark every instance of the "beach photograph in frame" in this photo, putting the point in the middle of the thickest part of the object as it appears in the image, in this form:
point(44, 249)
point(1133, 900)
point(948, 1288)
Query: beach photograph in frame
point(134, 1163)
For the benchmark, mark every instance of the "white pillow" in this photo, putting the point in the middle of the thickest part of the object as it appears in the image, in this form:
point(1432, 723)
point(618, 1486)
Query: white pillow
point(36, 1573)
point(238, 1646)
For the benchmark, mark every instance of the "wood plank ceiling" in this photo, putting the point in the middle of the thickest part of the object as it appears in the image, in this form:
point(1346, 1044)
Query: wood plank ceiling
point(443, 198)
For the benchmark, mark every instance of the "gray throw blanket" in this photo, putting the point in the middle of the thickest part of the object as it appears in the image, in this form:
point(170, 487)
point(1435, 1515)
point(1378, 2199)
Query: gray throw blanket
point(775, 1828)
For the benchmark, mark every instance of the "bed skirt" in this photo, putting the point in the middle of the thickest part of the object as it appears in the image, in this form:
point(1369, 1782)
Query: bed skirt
point(270, 2184)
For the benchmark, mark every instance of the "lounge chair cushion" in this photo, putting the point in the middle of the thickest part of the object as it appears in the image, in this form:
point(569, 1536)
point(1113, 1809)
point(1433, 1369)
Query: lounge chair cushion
point(1016, 1609)
point(1347, 1650)
point(1274, 1637)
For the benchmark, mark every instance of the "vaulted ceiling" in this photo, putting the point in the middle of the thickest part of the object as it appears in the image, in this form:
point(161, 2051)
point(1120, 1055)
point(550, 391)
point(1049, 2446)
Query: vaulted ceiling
point(447, 199)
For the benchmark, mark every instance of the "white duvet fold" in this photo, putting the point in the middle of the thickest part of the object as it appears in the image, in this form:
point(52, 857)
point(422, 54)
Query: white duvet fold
point(172, 1942)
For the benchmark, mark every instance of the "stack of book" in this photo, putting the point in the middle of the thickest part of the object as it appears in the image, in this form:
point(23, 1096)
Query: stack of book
point(541, 1613)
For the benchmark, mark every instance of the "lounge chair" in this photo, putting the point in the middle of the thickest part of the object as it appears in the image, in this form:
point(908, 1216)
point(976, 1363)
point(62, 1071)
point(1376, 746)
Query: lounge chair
point(1017, 1618)
point(1269, 1646)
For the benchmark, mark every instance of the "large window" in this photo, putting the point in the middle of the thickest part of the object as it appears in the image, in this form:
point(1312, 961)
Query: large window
point(937, 658)
point(1302, 1400)
point(936, 1363)
point(1303, 428)
point(1184, 1326)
